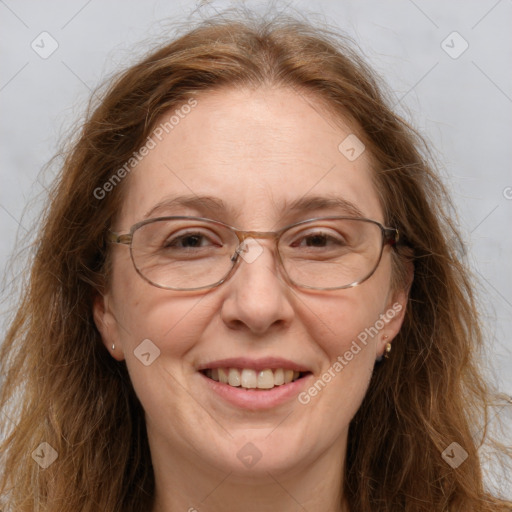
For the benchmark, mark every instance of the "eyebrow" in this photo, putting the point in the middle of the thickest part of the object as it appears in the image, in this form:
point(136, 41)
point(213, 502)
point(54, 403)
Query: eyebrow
point(207, 204)
point(214, 205)
point(312, 203)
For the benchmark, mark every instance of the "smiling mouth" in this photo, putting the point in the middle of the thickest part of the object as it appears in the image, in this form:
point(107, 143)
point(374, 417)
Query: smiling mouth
point(253, 380)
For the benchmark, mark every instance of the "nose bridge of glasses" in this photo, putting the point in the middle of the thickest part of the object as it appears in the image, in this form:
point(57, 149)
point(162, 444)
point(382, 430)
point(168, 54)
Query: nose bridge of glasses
point(244, 235)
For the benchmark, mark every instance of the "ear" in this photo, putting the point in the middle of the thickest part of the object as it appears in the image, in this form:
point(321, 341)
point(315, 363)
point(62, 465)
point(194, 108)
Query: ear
point(107, 325)
point(392, 318)
point(394, 314)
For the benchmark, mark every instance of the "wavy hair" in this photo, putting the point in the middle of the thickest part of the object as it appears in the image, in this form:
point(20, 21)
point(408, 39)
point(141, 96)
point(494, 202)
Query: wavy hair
point(62, 387)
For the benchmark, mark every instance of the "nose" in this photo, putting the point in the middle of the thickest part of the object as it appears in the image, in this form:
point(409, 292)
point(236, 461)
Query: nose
point(257, 298)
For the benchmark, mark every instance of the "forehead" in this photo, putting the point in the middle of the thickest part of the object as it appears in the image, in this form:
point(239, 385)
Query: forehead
point(255, 158)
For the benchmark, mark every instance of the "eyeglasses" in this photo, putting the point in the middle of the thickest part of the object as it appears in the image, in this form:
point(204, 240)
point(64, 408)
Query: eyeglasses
point(193, 253)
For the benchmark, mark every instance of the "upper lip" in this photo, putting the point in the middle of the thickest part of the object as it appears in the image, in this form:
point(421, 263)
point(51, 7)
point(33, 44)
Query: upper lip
point(272, 363)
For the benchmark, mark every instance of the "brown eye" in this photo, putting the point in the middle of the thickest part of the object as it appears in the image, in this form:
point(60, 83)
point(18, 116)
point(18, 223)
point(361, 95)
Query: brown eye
point(320, 240)
point(190, 241)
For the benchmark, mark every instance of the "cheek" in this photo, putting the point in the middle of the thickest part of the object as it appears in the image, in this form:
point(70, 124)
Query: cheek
point(335, 394)
point(144, 311)
point(158, 328)
point(345, 338)
point(345, 328)
point(354, 309)
point(172, 323)
point(340, 323)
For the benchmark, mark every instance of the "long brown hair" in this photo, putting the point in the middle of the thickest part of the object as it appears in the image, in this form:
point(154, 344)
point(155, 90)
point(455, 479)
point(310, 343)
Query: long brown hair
point(62, 387)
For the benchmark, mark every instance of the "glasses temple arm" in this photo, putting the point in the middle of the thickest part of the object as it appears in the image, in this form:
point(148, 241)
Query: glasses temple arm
point(116, 238)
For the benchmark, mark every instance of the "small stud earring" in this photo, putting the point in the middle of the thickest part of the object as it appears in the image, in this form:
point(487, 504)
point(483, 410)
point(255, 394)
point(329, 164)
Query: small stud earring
point(113, 347)
point(387, 350)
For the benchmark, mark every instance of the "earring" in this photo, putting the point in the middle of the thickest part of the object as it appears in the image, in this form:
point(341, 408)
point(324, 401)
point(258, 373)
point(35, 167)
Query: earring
point(387, 350)
point(113, 347)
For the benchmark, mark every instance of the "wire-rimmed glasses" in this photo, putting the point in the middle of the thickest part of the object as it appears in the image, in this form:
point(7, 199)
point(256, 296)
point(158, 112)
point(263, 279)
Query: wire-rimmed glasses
point(193, 253)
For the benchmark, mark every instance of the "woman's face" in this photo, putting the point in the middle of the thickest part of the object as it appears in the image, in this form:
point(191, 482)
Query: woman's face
point(254, 152)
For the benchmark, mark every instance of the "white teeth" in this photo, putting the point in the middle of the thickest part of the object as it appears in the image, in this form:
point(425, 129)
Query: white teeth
point(223, 375)
point(234, 377)
point(251, 379)
point(266, 379)
point(248, 379)
point(278, 377)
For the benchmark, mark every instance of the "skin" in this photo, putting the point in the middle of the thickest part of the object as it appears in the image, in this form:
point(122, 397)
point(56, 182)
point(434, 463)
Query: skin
point(254, 149)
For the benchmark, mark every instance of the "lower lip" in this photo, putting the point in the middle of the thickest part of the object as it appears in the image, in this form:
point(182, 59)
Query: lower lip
point(254, 398)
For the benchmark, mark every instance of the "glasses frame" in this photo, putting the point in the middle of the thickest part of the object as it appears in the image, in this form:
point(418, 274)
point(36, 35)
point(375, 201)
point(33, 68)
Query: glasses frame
point(390, 236)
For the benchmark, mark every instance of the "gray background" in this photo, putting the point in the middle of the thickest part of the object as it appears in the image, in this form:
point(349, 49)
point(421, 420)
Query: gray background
point(463, 105)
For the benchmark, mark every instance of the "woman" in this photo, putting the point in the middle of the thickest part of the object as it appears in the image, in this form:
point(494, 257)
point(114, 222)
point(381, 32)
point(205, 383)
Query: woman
point(239, 235)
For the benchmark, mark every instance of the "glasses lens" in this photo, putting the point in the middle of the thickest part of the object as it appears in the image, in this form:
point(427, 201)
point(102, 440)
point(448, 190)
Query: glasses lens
point(187, 254)
point(183, 253)
point(331, 253)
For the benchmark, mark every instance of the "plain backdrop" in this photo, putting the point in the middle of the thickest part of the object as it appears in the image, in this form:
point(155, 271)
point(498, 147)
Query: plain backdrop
point(446, 63)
